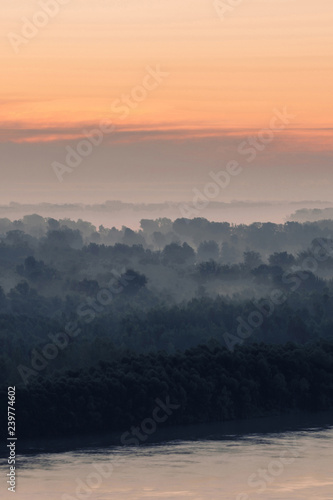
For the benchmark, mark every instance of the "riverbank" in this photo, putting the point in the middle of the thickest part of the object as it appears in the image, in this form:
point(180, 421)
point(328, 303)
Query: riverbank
point(294, 422)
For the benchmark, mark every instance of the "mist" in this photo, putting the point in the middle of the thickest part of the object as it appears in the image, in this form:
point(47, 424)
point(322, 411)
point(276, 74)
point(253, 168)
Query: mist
point(117, 214)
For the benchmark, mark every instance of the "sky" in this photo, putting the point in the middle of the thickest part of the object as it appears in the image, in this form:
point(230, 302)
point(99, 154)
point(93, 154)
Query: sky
point(152, 96)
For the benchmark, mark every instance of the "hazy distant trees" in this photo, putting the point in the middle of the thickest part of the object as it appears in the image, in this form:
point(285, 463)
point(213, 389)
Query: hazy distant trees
point(281, 259)
point(85, 286)
point(210, 268)
point(233, 240)
point(35, 225)
point(159, 240)
point(36, 271)
point(252, 260)
point(2, 300)
point(132, 281)
point(178, 254)
point(177, 288)
point(174, 294)
point(64, 238)
point(131, 237)
point(208, 250)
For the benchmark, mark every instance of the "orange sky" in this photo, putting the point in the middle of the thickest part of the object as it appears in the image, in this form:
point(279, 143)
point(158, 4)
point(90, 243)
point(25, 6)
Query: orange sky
point(227, 72)
point(225, 75)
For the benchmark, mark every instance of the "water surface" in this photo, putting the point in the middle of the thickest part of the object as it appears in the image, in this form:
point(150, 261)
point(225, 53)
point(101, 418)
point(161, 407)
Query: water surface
point(293, 464)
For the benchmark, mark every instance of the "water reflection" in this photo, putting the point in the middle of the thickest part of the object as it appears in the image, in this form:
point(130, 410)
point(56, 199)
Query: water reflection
point(290, 465)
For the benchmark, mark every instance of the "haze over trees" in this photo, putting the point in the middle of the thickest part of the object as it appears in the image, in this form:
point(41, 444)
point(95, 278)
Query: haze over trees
point(241, 316)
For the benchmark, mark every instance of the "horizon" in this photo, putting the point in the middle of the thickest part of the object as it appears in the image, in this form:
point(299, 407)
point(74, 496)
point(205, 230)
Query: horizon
point(114, 213)
point(92, 110)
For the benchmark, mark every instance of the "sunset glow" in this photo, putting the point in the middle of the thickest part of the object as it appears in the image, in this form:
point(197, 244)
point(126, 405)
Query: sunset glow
point(226, 72)
point(222, 72)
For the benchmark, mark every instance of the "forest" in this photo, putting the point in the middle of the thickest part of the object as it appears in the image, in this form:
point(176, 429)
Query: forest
point(203, 384)
point(97, 323)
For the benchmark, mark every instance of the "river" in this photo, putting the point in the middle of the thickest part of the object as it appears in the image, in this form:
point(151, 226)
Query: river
point(265, 459)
